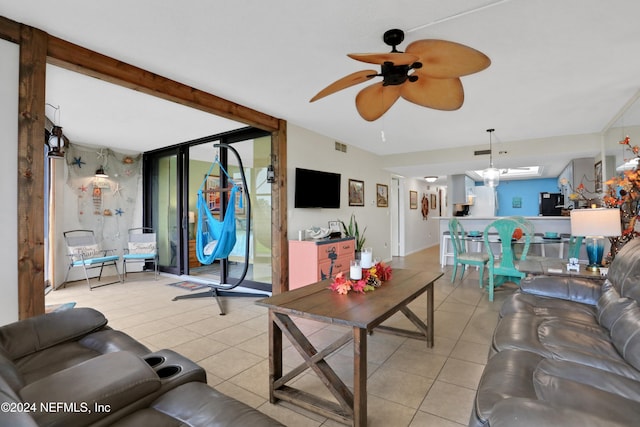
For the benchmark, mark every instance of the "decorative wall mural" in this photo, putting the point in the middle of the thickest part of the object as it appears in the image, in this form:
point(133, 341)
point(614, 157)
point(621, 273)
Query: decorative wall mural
point(103, 204)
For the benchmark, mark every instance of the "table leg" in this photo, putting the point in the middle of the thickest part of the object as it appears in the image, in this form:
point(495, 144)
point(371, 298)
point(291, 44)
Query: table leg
point(275, 355)
point(359, 377)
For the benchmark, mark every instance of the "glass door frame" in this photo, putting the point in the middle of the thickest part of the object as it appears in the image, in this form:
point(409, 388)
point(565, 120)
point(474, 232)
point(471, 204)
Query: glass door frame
point(181, 150)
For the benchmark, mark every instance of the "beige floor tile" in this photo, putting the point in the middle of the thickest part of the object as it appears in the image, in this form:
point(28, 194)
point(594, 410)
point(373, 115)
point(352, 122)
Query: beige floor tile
point(399, 387)
point(462, 373)
point(449, 401)
point(254, 379)
point(471, 352)
point(234, 335)
point(243, 395)
point(200, 348)
point(171, 337)
point(422, 419)
point(229, 363)
point(416, 363)
point(384, 413)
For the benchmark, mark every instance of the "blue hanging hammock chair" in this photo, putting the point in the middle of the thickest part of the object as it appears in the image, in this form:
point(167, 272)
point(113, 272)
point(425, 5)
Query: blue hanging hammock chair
point(215, 238)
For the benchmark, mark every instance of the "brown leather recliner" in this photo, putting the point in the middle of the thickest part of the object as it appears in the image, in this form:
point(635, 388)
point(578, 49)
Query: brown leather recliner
point(69, 368)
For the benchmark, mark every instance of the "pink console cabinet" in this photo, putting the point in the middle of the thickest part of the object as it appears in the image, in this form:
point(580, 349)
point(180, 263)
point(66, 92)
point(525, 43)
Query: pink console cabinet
point(314, 260)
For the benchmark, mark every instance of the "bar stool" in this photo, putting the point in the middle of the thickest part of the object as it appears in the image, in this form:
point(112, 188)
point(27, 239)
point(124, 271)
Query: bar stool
point(444, 248)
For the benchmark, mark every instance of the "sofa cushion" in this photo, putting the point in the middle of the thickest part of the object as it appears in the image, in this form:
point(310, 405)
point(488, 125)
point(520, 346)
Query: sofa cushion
point(625, 334)
point(566, 393)
point(624, 272)
point(582, 290)
point(65, 355)
point(37, 333)
point(610, 382)
point(541, 306)
point(114, 381)
point(561, 339)
point(528, 413)
point(611, 305)
point(506, 374)
point(197, 405)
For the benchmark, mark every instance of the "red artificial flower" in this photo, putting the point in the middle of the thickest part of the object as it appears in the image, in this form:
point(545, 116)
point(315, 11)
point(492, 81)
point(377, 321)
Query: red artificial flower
point(359, 285)
point(341, 285)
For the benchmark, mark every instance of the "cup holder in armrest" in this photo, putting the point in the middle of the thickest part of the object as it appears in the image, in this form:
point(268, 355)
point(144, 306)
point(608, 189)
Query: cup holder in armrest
point(154, 361)
point(168, 371)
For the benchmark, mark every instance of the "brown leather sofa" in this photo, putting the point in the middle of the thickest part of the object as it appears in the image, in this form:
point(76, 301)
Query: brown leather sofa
point(566, 352)
point(69, 368)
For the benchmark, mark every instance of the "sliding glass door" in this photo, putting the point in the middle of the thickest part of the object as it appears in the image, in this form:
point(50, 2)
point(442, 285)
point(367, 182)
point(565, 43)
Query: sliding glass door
point(162, 207)
point(172, 179)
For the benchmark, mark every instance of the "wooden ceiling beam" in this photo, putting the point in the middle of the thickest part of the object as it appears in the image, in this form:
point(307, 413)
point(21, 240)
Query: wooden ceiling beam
point(9, 30)
point(77, 58)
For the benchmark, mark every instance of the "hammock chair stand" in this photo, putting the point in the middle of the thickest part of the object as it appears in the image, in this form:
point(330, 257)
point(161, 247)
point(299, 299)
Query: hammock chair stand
point(219, 290)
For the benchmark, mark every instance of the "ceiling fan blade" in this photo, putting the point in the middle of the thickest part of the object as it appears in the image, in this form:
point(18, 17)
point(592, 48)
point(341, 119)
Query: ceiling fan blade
point(445, 59)
point(373, 101)
point(345, 82)
point(440, 94)
point(398, 58)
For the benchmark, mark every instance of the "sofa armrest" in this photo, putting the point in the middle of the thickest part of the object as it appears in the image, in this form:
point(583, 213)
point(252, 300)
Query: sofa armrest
point(577, 289)
point(517, 412)
point(36, 333)
point(84, 393)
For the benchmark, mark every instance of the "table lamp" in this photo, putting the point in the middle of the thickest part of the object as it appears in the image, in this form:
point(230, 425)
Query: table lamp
point(594, 225)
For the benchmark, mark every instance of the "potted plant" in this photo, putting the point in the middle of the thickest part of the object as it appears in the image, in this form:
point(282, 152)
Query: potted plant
point(354, 231)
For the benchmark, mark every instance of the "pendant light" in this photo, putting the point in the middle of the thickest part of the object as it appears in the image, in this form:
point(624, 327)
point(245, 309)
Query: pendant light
point(491, 175)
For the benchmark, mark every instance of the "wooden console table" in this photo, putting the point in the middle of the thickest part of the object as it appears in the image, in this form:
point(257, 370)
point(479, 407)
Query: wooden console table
point(362, 313)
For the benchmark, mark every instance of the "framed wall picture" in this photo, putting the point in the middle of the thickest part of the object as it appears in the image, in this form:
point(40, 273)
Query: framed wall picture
point(382, 195)
point(413, 199)
point(598, 177)
point(356, 192)
point(434, 201)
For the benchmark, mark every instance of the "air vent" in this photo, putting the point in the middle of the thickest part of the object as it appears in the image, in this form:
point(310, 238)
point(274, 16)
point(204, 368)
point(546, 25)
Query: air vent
point(481, 152)
point(341, 147)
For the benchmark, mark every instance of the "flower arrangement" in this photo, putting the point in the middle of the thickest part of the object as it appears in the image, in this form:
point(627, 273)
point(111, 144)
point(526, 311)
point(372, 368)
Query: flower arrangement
point(371, 279)
point(623, 192)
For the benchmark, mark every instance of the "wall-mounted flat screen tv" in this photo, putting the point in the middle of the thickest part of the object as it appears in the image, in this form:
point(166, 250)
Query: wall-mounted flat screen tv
point(317, 189)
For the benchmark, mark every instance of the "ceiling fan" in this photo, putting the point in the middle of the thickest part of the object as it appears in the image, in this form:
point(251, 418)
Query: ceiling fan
point(427, 73)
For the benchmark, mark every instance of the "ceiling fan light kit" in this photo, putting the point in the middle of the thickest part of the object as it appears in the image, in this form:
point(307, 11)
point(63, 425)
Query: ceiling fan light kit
point(427, 74)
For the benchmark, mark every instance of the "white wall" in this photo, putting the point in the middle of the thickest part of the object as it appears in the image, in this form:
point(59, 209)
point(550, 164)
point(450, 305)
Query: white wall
point(309, 150)
point(9, 65)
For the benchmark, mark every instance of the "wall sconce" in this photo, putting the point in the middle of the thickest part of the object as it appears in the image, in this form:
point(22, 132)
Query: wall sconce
point(271, 175)
point(54, 140)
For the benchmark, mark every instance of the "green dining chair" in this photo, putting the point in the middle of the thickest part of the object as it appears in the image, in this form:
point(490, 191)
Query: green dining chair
point(461, 255)
point(527, 227)
point(503, 265)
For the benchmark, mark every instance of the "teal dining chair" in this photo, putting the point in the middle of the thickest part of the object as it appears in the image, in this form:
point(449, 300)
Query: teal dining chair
point(461, 255)
point(502, 264)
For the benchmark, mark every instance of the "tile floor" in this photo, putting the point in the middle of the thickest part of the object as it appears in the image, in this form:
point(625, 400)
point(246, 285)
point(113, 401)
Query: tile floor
point(409, 384)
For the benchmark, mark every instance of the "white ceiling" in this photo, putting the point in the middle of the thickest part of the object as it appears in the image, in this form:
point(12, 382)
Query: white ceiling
point(559, 67)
